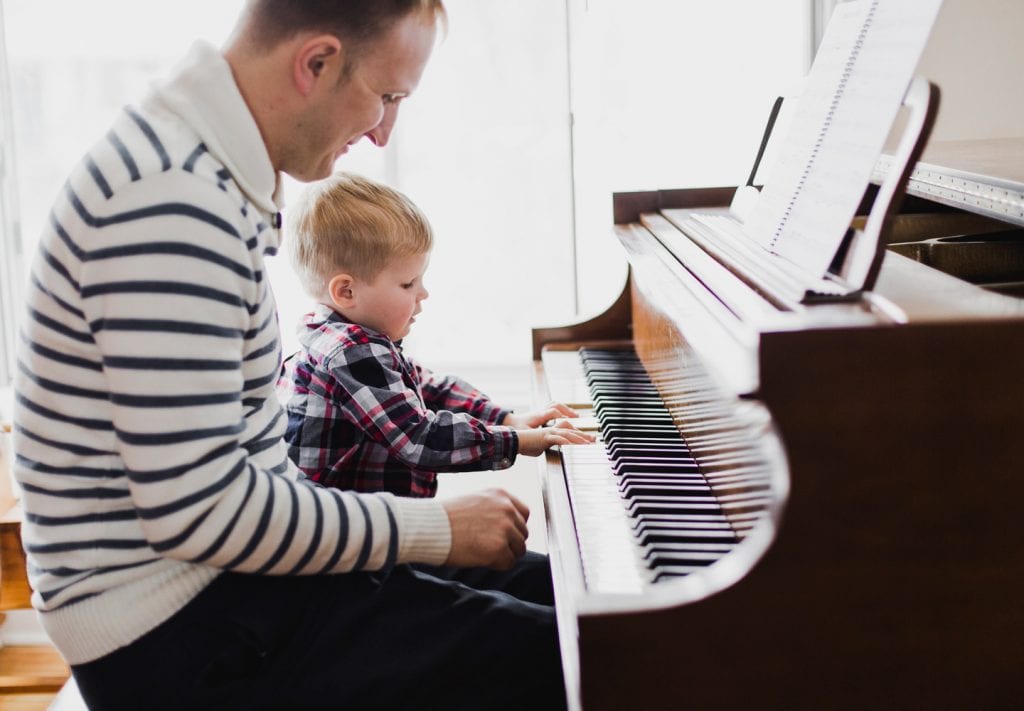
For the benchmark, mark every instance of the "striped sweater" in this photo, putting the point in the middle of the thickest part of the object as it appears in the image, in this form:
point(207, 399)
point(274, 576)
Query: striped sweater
point(148, 436)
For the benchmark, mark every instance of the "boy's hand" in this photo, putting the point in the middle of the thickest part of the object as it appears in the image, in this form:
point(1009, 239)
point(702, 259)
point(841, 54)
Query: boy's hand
point(536, 441)
point(536, 418)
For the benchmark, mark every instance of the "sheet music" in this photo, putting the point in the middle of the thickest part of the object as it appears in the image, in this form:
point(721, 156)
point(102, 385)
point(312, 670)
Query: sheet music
point(852, 95)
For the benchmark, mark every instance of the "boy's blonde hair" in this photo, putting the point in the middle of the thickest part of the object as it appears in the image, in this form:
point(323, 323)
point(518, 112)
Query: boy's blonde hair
point(348, 223)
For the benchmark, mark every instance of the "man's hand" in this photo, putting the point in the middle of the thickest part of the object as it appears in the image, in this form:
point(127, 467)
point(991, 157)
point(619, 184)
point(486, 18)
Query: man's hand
point(534, 442)
point(536, 418)
point(488, 529)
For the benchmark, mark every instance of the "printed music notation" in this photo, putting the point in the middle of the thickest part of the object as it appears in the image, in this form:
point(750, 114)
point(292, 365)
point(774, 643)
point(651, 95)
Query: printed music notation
point(851, 98)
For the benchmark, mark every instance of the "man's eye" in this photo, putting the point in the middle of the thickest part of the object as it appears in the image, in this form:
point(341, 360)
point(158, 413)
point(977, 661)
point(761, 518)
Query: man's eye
point(391, 98)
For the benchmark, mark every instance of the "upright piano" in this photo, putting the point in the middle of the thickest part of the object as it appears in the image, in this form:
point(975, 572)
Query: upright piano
point(799, 505)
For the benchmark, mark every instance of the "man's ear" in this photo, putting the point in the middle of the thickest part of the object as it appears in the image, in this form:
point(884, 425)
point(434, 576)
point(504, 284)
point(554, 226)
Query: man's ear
point(317, 57)
point(340, 289)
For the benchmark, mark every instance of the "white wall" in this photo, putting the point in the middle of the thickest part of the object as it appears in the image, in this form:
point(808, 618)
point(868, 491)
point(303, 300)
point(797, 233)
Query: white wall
point(976, 56)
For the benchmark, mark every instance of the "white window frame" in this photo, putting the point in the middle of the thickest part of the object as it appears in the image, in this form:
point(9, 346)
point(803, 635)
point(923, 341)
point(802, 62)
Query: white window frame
point(11, 273)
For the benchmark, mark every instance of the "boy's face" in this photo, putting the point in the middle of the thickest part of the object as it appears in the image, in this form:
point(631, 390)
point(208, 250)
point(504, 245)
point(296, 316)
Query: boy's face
point(390, 302)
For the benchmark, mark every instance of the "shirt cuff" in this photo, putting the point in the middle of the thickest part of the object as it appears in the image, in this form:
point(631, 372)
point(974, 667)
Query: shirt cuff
point(506, 447)
point(492, 414)
point(424, 532)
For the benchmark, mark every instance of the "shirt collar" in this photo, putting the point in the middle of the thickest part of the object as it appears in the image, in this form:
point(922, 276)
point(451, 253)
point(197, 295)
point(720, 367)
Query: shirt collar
point(321, 314)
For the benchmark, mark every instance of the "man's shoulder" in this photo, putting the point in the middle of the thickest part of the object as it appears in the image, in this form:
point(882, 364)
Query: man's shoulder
point(152, 157)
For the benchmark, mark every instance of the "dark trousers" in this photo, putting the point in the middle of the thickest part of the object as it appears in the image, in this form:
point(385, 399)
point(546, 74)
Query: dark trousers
point(415, 637)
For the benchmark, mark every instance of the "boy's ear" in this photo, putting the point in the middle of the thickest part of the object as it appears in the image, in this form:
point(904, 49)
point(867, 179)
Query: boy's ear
point(340, 290)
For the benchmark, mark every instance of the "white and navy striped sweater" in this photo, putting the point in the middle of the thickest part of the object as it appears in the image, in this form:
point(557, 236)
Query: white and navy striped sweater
point(148, 436)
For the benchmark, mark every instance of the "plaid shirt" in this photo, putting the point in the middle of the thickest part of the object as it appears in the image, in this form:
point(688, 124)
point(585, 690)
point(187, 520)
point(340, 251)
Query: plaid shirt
point(362, 415)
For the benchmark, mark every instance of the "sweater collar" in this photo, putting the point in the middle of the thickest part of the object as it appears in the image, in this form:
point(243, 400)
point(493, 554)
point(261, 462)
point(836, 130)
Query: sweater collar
point(202, 90)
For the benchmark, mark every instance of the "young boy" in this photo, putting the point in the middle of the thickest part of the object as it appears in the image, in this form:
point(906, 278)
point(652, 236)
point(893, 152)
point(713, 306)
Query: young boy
point(361, 414)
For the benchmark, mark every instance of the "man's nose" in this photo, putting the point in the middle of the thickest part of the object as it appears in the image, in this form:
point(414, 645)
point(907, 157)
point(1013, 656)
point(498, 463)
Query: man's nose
point(380, 133)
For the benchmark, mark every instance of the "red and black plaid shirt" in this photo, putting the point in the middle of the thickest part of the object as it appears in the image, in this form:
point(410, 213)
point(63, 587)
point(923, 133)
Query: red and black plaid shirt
point(362, 415)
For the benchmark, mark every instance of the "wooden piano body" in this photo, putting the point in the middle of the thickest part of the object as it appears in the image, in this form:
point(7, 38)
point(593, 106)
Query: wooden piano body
point(888, 570)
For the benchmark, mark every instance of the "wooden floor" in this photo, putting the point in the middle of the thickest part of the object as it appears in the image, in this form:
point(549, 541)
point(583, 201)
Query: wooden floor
point(30, 677)
point(26, 702)
point(33, 674)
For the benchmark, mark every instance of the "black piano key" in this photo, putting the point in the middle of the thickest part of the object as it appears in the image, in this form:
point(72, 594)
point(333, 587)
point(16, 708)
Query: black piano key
point(654, 478)
point(620, 434)
point(682, 548)
point(644, 443)
point(674, 536)
point(610, 401)
point(614, 423)
point(677, 456)
point(674, 571)
point(658, 479)
point(694, 558)
point(666, 450)
point(631, 491)
point(666, 466)
point(682, 522)
point(649, 512)
point(667, 474)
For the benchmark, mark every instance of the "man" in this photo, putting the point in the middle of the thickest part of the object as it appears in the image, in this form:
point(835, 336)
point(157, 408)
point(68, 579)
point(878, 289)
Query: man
point(176, 557)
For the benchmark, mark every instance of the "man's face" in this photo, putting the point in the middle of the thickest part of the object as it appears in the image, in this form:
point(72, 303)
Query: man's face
point(366, 102)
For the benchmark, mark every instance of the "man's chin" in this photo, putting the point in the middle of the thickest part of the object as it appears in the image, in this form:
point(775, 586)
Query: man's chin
point(310, 175)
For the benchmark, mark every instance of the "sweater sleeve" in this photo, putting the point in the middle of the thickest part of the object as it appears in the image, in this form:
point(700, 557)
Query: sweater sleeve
point(176, 315)
point(375, 399)
point(448, 392)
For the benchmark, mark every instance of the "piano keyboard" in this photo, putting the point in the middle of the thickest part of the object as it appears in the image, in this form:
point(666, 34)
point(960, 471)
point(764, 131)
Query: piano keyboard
point(674, 482)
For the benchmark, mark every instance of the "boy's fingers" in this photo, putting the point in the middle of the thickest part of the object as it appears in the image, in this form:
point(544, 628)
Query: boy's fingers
point(564, 410)
point(569, 436)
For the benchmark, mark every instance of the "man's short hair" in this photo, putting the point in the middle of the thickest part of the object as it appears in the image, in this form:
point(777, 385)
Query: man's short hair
point(349, 223)
point(355, 22)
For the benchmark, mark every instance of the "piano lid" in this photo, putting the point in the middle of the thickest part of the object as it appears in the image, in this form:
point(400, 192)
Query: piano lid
point(984, 176)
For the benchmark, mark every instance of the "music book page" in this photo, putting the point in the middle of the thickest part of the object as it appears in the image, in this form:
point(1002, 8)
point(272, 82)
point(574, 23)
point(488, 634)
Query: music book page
point(851, 98)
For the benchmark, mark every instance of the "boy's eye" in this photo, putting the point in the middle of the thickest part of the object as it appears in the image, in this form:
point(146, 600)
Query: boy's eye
point(409, 285)
point(391, 98)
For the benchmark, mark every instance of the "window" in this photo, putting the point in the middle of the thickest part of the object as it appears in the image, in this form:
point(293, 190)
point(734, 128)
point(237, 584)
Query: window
point(669, 95)
point(660, 95)
point(68, 78)
point(10, 243)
